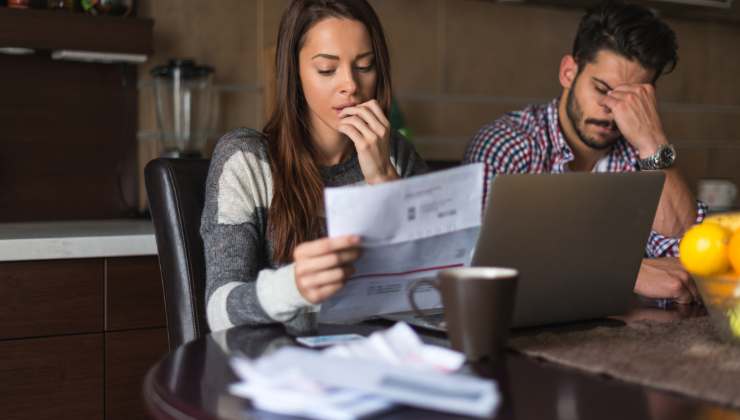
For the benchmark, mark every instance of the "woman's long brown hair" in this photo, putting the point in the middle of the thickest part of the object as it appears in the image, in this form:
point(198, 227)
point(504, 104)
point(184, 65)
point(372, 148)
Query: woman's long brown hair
point(295, 212)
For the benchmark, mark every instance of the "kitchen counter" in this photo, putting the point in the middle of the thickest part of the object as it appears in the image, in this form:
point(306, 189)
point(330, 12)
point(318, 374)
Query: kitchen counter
point(76, 239)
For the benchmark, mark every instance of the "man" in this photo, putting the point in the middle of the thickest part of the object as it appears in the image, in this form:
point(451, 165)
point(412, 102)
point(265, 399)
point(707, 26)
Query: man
point(606, 120)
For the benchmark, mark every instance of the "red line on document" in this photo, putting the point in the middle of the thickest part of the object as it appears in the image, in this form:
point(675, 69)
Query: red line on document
point(402, 273)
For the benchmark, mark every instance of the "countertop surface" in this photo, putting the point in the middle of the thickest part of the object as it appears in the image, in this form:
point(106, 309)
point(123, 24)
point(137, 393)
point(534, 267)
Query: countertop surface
point(76, 239)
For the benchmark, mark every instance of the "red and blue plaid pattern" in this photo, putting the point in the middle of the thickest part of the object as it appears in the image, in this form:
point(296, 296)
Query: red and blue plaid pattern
point(530, 141)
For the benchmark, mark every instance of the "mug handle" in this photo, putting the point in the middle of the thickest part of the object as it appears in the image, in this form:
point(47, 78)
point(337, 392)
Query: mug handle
point(412, 293)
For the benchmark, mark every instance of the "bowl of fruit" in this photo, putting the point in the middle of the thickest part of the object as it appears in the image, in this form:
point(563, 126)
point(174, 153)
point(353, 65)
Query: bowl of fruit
point(710, 251)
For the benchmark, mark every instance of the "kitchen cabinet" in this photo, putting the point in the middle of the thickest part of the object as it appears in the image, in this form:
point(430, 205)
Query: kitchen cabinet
point(63, 30)
point(69, 149)
point(81, 322)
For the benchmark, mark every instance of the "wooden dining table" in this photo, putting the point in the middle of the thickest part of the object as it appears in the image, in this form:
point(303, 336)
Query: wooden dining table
point(192, 381)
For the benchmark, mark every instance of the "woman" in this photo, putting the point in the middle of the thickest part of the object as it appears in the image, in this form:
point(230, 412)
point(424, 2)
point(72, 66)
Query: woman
point(267, 256)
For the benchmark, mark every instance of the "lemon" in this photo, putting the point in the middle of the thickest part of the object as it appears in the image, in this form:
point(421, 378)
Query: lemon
point(729, 220)
point(703, 250)
point(733, 251)
point(719, 288)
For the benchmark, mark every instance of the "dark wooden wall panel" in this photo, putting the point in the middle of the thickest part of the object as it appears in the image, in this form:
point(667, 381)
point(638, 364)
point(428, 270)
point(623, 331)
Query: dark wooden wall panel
point(52, 378)
point(128, 356)
point(43, 298)
point(68, 148)
point(133, 294)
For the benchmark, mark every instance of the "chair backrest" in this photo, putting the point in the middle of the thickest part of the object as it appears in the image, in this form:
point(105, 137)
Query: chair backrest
point(176, 192)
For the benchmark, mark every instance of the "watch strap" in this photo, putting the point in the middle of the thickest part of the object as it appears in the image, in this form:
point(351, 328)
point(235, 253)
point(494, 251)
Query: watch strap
point(656, 161)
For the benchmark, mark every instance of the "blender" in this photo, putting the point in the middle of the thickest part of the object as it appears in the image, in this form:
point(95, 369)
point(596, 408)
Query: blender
point(184, 103)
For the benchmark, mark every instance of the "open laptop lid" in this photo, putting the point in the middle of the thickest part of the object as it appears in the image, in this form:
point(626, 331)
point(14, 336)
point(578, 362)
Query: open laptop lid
point(577, 239)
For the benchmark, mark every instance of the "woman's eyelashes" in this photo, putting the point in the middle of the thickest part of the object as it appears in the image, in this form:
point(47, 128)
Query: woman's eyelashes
point(361, 69)
point(365, 69)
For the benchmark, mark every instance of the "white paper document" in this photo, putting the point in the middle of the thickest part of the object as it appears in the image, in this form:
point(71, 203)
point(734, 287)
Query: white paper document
point(410, 230)
point(363, 378)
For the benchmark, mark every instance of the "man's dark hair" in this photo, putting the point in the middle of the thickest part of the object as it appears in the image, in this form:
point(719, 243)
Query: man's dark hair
point(629, 30)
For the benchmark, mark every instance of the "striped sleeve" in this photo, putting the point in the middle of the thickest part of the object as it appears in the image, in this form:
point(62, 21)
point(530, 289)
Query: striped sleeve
point(241, 286)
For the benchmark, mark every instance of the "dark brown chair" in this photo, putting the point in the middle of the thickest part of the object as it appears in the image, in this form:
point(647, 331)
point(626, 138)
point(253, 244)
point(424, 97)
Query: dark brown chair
point(176, 192)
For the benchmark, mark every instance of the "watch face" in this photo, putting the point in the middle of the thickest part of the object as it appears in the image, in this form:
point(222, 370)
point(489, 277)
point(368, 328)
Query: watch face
point(667, 155)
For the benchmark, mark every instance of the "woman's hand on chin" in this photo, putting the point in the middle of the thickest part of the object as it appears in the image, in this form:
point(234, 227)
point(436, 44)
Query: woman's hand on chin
point(369, 129)
point(322, 266)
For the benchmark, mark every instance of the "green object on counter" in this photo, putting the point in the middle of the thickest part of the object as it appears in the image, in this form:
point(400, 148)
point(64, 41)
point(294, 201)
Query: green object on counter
point(397, 121)
point(733, 314)
point(107, 7)
point(406, 132)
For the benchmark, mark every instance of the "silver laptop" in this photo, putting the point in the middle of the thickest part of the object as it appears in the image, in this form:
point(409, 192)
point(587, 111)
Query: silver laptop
point(577, 239)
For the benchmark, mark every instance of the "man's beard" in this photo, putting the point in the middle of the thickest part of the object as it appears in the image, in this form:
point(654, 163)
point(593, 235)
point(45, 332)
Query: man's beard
point(575, 114)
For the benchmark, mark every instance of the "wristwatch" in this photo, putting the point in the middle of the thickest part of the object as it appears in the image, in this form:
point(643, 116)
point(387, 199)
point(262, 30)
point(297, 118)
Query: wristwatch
point(663, 158)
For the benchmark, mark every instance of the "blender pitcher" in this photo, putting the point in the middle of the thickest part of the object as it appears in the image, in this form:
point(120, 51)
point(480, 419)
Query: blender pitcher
point(184, 101)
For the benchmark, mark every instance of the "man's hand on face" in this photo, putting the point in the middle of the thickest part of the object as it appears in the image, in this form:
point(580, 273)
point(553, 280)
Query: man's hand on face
point(665, 278)
point(635, 111)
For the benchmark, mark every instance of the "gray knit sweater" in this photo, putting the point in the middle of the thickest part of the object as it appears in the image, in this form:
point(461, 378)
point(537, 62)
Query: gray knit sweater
point(243, 285)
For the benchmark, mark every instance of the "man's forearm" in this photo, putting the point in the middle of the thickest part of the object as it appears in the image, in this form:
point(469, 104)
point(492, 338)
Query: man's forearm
point(677, 207)
point(635, 111)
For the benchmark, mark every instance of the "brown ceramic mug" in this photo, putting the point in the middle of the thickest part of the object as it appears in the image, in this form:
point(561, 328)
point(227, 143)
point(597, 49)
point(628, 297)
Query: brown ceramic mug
point(478, 307)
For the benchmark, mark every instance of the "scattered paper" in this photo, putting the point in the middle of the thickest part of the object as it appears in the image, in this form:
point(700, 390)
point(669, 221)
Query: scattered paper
point(400, 346)
point(363, 378)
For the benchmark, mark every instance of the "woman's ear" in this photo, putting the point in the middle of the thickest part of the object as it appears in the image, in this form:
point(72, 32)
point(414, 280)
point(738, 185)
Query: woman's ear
point(568, 71)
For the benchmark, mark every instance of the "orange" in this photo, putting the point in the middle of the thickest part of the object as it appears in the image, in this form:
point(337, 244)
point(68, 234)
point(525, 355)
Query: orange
point(703, 250)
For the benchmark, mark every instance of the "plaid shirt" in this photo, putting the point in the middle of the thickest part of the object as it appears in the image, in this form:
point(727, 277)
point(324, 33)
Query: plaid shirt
point(531, 141)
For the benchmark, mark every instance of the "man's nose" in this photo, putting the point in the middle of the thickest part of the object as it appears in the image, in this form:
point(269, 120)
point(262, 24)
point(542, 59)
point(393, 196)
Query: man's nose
point(604, 108)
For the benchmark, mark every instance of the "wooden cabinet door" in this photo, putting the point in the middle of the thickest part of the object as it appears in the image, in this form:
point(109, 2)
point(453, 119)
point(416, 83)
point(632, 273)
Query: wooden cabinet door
point(52, 378)
point(133, 294)
point(43, 298)
point(128, 357)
